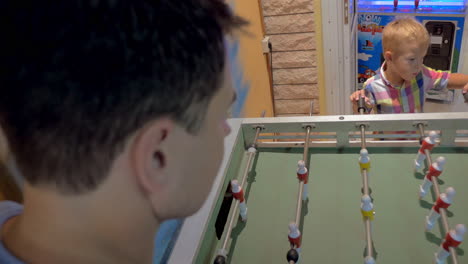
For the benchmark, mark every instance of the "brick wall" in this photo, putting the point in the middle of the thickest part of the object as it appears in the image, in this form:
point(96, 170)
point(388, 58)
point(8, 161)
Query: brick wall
point(291, 28)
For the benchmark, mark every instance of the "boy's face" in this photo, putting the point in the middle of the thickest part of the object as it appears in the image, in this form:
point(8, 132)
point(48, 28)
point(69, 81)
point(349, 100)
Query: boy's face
point(407, 61)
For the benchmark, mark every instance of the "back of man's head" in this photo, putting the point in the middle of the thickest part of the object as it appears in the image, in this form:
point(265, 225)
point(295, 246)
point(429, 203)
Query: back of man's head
point(78, 77)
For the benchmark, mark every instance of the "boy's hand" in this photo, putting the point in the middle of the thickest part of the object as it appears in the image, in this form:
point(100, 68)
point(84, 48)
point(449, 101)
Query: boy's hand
point(354, 97)
point(465, 92)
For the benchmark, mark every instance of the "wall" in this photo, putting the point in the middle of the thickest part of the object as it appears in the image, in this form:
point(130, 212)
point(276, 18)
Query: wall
point(292, 30)
point(253, 86)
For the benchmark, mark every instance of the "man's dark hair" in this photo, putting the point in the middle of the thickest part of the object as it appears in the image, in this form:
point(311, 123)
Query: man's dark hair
point(78, 77)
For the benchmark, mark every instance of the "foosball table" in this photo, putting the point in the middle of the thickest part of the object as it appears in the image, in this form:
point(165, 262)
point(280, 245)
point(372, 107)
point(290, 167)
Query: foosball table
point(336, 189)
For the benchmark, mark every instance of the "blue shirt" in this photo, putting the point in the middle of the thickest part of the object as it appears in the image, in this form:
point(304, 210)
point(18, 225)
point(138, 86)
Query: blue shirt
point(8, 210)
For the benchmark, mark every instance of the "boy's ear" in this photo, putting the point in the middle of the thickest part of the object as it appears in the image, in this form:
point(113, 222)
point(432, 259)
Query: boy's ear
point(388, 55)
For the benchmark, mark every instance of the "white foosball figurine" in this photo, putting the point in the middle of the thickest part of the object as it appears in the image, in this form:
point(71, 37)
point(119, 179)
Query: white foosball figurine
point(452, 239)
point(294, 237)
point(367, 208)
point(303, 175)
point(369, 260)
point(238, 194)
point(428, 143)
point(364, 160)
point(221, 256)
point(251, 150)
point(435, 170)
point(443, 201)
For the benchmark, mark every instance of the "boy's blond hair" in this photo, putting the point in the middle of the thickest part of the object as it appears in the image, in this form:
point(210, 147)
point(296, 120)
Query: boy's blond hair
point(401, 31)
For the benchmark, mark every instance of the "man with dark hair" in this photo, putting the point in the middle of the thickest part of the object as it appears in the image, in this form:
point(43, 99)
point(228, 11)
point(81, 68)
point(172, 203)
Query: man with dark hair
point(115, 111)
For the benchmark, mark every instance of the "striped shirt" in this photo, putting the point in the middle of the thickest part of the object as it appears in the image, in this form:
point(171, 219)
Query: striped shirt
point(409, 97)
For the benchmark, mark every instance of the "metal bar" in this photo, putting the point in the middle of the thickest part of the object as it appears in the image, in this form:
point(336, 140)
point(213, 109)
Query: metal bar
point(458, 136)
point(390, 122)
point(365, 182)
point(301, 183)
point(435, 187)
point(363, 136)
point(305, 156)
point(365, 187)
point(311, 110)
point(257, 133)
point(244, 178)
point(369, 237)
point(231, 222)
point(332, 144)
point(421, 129)
point(299, 203)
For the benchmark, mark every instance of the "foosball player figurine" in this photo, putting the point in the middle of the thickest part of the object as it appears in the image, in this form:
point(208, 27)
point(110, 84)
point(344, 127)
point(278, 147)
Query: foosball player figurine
point(452, 239)
point(427, 143)
point(295, 237)
point(303, 175)
point(443, 201)
point(435, 170)
point(238, 194)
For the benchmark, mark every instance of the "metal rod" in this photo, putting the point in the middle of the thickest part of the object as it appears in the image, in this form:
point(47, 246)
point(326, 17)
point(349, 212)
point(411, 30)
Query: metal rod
point(367, 222)
point(299, 203)
point(254, 142)
point(363, 136)
point(428, 158)
point(421, 129)
point(435, 187)
point(301, 183)
point(311, 111)
point(365, 187)
point(305, 156)
point(231, 222)
point(365, 182)
point(363, 130)
point(236, 202)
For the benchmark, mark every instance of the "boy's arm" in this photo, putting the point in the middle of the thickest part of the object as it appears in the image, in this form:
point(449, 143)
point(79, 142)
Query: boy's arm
point(368, 100)
point(458, 81)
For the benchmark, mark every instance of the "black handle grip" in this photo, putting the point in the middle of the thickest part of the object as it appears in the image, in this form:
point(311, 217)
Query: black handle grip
point(465, 95)
point(361, 105)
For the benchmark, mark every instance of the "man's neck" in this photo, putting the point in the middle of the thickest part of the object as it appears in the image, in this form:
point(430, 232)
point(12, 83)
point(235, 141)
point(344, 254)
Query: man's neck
point(83, 230)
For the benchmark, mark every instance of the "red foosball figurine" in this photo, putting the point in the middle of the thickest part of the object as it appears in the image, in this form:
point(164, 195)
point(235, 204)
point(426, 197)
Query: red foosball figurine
point(443, 201)
point(238, 194)
point(303, 175)
point(428, 143)
point(435, 170)
point(294, 236)
point(452, 239)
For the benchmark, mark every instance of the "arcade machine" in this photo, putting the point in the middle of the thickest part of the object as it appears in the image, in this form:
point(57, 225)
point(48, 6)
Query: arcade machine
point(444, 20)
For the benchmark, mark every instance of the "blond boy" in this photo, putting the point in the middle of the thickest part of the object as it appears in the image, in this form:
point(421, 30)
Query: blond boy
point(401, 82)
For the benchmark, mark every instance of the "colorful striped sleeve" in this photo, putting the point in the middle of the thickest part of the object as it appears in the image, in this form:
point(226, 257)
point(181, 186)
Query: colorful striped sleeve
point(435, 79)
point(367, 86)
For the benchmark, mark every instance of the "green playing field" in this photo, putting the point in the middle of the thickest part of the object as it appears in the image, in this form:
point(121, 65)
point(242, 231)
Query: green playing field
point(333, 230)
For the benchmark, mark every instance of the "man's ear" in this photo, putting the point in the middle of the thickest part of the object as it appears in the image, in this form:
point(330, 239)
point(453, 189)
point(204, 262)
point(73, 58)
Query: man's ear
point(148, 159)
point(388, 55)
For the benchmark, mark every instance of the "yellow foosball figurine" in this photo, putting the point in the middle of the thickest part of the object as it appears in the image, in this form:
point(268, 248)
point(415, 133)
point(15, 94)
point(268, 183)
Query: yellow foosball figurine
point(367, 208)
point(364, 160)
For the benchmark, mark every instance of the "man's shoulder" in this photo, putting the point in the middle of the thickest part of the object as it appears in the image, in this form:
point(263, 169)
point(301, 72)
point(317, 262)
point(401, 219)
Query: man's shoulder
point(8, 209)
